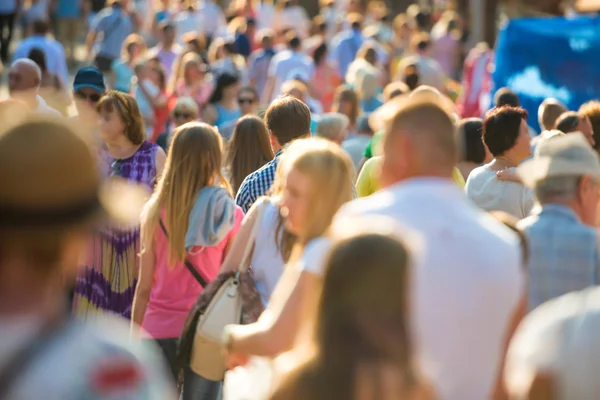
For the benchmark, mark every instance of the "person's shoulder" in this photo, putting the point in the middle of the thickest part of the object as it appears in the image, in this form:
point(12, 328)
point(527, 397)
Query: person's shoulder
point(314, 255)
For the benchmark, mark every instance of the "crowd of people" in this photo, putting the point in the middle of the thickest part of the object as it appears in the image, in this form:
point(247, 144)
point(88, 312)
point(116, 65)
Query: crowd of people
point(388, 236)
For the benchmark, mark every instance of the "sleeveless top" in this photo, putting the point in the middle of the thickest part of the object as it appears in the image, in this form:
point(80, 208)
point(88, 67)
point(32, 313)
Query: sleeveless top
point(267, 262)
point(226, 116)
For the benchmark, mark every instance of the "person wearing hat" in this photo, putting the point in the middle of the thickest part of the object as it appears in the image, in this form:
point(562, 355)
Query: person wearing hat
point(51, 197)
point(564, 255)
point(88, 89)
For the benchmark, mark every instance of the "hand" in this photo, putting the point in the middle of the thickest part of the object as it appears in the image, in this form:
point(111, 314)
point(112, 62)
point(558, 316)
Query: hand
point(233, 360)
point(508, 176)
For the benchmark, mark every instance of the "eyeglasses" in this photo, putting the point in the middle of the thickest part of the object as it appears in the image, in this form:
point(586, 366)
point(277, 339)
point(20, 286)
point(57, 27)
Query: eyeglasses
point(94, 97)
point(246, 101)
point(182, 114)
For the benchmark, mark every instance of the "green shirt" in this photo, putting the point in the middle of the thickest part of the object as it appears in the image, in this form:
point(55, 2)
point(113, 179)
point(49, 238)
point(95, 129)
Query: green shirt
point(373, 148)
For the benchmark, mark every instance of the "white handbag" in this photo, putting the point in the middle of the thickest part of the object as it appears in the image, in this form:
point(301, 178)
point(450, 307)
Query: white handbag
point(224, 308)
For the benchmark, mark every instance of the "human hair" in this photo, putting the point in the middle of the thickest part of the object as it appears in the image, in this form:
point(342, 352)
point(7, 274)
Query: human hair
point(506, 97)
point(319, 53)
point(355, 20)
point(288, 118)
point(248, 150)
point(295, 88)
point(332, 126)
point(568, 122)
point(224, 81)
point(132, 40)
point(215, 49)
point(162, 76)
point(293, 40)
point(421, 41)
point(548, 113)
point(368, 84)
point(368, 53)
point(193, 163)
point(181, 67)
point(38, 56)
point(188, 104)
point(557, 187)
point(250, 89)
point(394, 89)
point(128, 111)
point(470, 132)
point(592, 110)
point(40, 27)
point(345, 94)
point(361, 324)
point(501, 128)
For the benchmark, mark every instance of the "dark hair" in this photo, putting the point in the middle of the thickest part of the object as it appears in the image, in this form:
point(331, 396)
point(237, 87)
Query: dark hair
point(37, 56)
point(319, 53)
point(501, 128)
point(293, 41)
point(470, 131)
point(288, 119)
point(345, 94)
point(250, 89)
point(506, 97)
point(40, 27)
point(412, 77)
point(224, 81)
point(568, 122)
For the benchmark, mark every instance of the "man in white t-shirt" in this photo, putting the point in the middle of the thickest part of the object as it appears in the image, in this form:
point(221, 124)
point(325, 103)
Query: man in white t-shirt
point(283, 64)
point(467, 283)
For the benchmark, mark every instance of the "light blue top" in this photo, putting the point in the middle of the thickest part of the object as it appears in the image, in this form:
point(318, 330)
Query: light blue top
point(345, 45)
point(211, 218)
point(123, 74)
point(68, 9)
point(226, 116)
point(115, 26)
point(370, 105)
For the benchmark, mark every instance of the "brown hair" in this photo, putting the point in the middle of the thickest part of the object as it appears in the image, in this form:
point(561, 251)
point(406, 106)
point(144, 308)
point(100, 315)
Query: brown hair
point(129, 112)
point(348, 95)
point(361, 324)
point(592, 110)
point(548, 113)
point(248, 150)
point(368, 53)
point(568, 122)
point(288, 119)
point(133, 39)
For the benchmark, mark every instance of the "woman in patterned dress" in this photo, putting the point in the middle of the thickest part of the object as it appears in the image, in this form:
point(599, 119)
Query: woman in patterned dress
point(108, 278)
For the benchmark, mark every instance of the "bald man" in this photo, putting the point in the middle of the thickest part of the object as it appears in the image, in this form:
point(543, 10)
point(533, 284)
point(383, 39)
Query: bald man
point(467, 286)
point(24, 80)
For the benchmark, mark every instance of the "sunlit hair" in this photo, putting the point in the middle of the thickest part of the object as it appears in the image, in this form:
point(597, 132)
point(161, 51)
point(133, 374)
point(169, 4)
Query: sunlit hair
point(361, 324)
point(129, 112)
point(215, 50)
point(194, 162)
point(248, 150)
point(346, 95)
point(330, 173)
point(181, 68)
point(132, 40)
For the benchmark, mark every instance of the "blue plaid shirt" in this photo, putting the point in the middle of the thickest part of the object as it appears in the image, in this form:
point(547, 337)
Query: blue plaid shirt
point(257, 184)
point(564, 255)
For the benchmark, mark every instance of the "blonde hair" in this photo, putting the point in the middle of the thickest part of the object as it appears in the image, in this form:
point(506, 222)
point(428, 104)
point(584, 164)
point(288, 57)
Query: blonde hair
point(130, 40)
point(193, 163)
point(179, 70)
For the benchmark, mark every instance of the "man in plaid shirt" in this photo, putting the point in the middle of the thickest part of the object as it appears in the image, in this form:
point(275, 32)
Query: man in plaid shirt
point(287, 119)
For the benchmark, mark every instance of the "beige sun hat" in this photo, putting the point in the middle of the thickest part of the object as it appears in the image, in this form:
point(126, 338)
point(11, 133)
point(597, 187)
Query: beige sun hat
point(569, 155)
point(50, 178)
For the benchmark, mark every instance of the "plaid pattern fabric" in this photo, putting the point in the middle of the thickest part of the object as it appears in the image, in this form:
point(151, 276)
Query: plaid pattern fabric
point(564, 255)
point(257, 184)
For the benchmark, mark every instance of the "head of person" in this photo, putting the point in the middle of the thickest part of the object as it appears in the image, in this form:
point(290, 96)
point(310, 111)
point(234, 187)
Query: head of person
point(421, 43)
point(355, 20)
point(368, 53)
point(226, 88)
point(572, 121)
point(249, 149)
point(287, 119)
point(506, 97)
point(120, 119)
point(548, 113)
point(193, 163)
point(419, 137)
point(553, 353)
point(267, 38)
point(40, 27)
point(24, 80)
point(401, 27)
point(248, 100)
point(293, 41)
point(168, 33)
point(38, 56)
point(191, 69)
point(319, 25)
point(394, 89)
point(346, 102)
point(133, 47)
point(368, 84)
point(333, 127)
point(565, 170)
point(412, 78)
point(185, 110)
point(317, 172)
point(506, 134)
point(195, 42)
point(470, 133)
point(592, 110)
point(295, 88)
point(320, 54)
point(88, 89)
point(363, 126)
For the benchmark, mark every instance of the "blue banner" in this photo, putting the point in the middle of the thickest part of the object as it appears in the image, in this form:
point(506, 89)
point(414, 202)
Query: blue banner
point(549, 57)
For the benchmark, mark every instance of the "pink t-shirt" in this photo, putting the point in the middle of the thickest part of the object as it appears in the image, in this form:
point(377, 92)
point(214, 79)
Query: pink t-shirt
point(175, 290)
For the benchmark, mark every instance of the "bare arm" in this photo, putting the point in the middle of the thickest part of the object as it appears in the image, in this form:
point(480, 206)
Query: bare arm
point(91, 39)
point(210, 114)
point(160, 160)
point(144, 286)
point(268, 92)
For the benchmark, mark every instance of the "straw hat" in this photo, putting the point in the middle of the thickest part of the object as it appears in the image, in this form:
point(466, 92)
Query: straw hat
point(50, 178)
point(569, 155)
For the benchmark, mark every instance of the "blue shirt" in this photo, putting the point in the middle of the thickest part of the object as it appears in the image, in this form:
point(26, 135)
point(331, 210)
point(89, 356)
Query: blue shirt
point(68, 8)
point(563, 254)
point(115, 26)
point(257, 184)
point(56, 61)
point(226, 116)
point(370, 105)
point(123, 74)
point(258, 67)
point(345, 45)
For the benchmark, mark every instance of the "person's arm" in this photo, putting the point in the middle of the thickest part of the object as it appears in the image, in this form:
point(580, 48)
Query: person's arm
point(210, 115)
point(234, 257)
point(144, 286)
point(89, 42)
point(161, 158)
point(245, 196)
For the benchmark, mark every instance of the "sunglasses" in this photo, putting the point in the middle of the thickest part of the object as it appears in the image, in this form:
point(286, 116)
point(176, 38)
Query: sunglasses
point(94, 97)
point(182, 114)
point(246, 101)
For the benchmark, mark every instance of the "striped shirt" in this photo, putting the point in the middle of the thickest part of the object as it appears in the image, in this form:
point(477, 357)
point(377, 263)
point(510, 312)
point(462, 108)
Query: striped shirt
point(257, 184)
point(564, 254)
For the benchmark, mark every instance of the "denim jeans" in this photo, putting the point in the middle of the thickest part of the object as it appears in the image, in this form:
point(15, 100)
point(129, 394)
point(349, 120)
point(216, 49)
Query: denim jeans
point(196, 387)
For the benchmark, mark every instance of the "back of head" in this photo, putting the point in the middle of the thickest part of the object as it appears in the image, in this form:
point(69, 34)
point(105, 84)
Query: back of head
point(37, 56)
point(293, 40)
point(506, 97)
point(288, 119)
point(470, 132)
point(394, 89)
point(333, 126)
point(501, 128)
point(40, 27)
point(548, 113)
point(355, 20)
point(567, 122)
point(421, 42)
point(592, 110)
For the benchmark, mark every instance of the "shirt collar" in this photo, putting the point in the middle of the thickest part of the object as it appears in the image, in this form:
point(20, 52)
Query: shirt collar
point(559, 209)
point(280, 152)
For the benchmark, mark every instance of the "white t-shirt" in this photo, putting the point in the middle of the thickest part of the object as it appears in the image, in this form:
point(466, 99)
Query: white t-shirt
point(466, 281)
point(286, 62)
point(491, 194)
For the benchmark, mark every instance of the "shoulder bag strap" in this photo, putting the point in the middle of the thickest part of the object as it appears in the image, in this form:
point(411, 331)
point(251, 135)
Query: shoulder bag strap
point(245, 264)
point(186, 262)
point(16, 366)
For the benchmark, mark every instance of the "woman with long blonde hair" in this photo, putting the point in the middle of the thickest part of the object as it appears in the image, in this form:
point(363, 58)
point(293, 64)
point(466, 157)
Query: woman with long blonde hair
point(189, 79)
point(316, 181)
point(187, 228)
point(359, 345)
